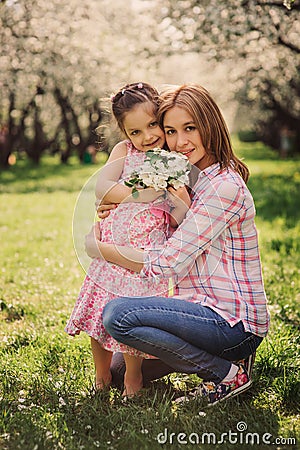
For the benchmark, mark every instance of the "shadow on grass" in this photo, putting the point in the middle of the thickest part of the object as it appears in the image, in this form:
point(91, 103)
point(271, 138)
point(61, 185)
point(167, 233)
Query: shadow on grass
point(277, 196)
point(151, 422)
point(56, 408)
point(25, 170)
point(255, 151)
point(49, 176)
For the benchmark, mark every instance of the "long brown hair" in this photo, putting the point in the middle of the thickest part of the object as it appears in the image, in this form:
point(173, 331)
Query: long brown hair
point(208, 119)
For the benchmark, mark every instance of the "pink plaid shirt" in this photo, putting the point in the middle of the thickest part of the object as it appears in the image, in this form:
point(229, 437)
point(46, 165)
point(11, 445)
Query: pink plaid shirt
point(213, 256)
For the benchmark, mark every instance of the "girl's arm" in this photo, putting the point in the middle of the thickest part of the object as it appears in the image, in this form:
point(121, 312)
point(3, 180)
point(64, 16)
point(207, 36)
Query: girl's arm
point(108, 190)
point(128, 257)
point(207, 218)
point(181, 200)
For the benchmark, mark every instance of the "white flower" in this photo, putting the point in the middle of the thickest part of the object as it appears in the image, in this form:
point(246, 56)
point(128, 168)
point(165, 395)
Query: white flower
point(147, 167)
point(61, 401)
point(162, 169)
point(147, 178)
point(159, 166)
point(177, 184)
point(159, 182)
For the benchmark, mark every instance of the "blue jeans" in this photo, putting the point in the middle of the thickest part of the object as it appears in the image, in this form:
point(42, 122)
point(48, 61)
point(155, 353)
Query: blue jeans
point(187, 336)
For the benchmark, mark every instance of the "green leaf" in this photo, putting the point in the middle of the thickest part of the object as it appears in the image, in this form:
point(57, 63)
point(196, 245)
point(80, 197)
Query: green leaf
point(154, 158)
point(135, 193)
point(132, 181)
point(128, 183)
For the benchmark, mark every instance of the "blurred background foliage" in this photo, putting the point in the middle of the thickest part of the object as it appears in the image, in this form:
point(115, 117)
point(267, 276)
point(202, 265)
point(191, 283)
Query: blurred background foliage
point(60, 60)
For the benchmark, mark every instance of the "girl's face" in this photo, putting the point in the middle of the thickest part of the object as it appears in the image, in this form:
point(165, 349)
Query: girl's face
point(142, 128)
point(182, 136)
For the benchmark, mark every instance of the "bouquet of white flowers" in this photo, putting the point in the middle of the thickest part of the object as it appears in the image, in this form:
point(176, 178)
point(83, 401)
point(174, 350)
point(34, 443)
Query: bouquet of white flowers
point(160, 170)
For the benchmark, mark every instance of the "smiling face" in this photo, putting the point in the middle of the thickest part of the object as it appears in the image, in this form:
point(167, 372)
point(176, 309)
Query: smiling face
point(183, 136)
point(141, 127)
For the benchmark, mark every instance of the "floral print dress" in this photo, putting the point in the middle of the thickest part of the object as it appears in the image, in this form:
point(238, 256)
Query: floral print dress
point(140, 225)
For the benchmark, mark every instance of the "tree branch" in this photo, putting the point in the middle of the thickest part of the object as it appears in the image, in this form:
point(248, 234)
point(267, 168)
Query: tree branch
point(288, 45)
point(280, 5)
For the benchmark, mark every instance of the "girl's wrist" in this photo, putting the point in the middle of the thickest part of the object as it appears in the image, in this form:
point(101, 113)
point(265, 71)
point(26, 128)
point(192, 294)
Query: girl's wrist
point(104, 249)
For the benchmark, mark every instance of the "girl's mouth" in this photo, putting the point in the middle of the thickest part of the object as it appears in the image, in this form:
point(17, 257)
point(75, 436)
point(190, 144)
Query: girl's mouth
point(153, 144)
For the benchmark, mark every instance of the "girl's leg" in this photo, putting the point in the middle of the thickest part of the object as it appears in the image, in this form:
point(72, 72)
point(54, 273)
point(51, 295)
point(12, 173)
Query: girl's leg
point(133, 379)
point(152, 369)
point(102, 361)
point(189, 337)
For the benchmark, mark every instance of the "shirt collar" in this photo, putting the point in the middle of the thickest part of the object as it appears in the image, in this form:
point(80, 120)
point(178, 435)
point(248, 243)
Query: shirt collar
point(198, 176)
point(210, 171)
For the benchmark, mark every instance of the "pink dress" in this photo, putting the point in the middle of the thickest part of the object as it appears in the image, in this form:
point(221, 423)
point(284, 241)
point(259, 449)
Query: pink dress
point(140, 225)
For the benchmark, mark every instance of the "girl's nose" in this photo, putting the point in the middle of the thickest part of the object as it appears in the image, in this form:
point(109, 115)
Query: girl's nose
point(148, 135)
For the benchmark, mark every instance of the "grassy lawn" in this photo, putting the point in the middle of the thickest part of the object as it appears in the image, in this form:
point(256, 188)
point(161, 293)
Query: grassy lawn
point(46, 395)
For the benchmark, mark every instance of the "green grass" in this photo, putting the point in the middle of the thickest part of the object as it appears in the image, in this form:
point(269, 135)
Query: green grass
point(46, 376)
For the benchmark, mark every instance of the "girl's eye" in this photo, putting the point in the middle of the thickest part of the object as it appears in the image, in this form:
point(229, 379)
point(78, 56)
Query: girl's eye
point(190, 128)
point(153, 124)
point(134, 133)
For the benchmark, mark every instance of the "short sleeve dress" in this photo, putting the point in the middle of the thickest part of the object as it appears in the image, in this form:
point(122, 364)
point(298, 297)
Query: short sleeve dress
point(140, 225)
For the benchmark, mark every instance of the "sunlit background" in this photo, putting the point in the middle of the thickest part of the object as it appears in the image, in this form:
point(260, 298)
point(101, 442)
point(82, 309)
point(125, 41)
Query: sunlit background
point(60, 60)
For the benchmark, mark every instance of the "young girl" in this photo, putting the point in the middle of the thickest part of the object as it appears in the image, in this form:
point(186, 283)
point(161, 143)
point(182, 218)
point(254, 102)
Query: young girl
point(218, 314)
point(140, 222)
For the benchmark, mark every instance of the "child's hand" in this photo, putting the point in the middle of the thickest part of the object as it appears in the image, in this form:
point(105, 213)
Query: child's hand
point(145, 196)
point(104, 210)
point(92, 239)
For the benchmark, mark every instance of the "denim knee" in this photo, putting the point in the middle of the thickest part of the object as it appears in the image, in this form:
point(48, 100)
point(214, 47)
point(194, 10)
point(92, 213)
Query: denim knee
point(110, 313)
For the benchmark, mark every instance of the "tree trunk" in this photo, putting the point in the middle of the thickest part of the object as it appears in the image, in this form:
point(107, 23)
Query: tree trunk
point(7, 135)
